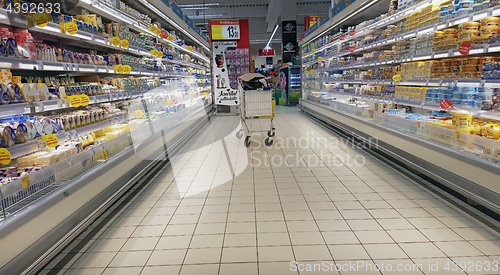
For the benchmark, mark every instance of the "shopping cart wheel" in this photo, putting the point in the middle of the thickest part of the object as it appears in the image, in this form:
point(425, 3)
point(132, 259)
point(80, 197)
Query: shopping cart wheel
point(268, 141)
point(247, 141)
point(239, 134)
point(270, 133)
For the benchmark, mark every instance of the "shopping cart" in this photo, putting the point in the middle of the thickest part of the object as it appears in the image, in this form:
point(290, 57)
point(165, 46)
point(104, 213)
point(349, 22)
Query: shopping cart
point(256, 104)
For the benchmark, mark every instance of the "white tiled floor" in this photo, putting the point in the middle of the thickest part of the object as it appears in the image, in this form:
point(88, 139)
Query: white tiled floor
point(221, 210)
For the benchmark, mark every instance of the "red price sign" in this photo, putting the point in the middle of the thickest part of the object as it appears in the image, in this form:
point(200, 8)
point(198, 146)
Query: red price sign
point(445, 104)
point(175, 101)
point(464, 48)
point(342, 37)
point(352, 33)
point(351, 49)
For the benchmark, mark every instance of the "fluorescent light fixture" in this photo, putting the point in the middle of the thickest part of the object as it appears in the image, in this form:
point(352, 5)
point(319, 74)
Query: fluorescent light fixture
point(197, 5)
point(274, 32)
point(195, 8)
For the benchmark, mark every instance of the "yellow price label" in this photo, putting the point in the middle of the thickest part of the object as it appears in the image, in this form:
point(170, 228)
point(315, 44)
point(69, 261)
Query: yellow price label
point(304, 54)
point(119, 69)
point(75, 100)
point(127, 69)
point(154, 52)
point(41, 19)
point(311, 71)
point(124, 43)
point(139, 113)
point(115, 41)
point(104, 155)
point(51, 140)
point(204, 93)
point(5, 156)
point(189, 48)
point(84, 100)
point(396, 77)
point(457, 134)
point(418, 124)
point(26, 182)
point(320, 58)
point(160, 54)
point(71, 28)
point(158, 32)
point(170, 103)
point(313, 50)
point(152, 28)
point(170, 38)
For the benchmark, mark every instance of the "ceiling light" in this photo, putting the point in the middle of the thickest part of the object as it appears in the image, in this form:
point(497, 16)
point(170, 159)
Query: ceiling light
point(197, 6)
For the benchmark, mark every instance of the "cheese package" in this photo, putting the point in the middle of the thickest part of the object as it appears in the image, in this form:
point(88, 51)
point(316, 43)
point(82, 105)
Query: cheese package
point(46, 160)
point(114, 134)
point(29, 160)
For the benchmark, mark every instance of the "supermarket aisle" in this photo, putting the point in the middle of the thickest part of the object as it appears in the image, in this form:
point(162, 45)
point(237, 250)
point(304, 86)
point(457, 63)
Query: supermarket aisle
point(320, 200)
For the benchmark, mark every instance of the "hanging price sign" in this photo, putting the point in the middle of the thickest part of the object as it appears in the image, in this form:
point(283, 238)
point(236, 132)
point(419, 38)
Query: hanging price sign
point(464, 48)
point(5, 156)
point(41, 19)
point(351, 49)
point(127, 69)
point(396, 77)
point(119, 69)
point(75, 100)
point(160, 54)
point(115, 41)
point(71, 28)
point(158, 32)
point(154, 52)
point(139, 113)
point(84, 100)
point(225, 29)
point(320, 58)
point(170, 38)
point(313, 50)
point(342, 37)
point(153, 28)
point(189, 48)
point(311, 71)
point(51, 140)
point(445, 104)
point(352, 33)
point(124, 43)
point(175, 101)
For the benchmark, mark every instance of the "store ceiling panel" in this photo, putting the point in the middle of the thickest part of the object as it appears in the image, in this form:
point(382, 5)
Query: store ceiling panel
point(201, 12)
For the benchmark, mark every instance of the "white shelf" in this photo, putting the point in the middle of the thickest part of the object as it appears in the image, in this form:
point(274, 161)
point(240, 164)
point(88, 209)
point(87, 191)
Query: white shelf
point(442, 25)
point(31, 146)
point(419, 104)
point(28, 64)
point(116, 15)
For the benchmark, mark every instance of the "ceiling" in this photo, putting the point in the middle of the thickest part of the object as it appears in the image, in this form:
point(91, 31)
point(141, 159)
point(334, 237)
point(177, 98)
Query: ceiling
point(201, 11)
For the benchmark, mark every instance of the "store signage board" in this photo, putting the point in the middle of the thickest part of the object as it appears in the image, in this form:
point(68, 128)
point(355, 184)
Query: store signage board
point(176, 9)
point(267, 52)
point(225, 29)
point(189, 22)
point(309, 21)
point(224, 95)
point(289, 40)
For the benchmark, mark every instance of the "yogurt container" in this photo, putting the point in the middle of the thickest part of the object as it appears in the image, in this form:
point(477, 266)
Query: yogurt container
point(489, 21)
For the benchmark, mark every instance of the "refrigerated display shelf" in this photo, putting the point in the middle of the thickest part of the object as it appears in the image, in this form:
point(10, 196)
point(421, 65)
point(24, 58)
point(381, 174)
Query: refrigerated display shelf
point(478, 15)
point(60, 104)
point(116, 15)
point(36, 65)
point(31, 146)
point(492, 83)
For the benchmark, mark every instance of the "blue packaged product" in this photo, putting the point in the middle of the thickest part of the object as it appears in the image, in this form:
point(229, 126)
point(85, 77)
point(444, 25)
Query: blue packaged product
point(4, 97)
